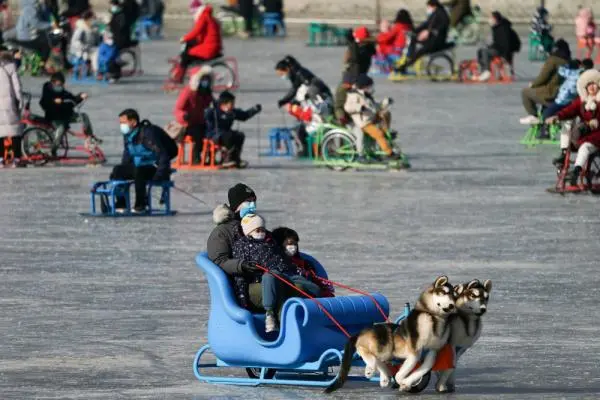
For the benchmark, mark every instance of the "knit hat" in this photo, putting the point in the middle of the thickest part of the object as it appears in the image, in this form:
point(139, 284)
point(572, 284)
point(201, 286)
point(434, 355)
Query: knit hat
point(252, 222)
point(349, 78)
point(363, 81)
point(239, 194)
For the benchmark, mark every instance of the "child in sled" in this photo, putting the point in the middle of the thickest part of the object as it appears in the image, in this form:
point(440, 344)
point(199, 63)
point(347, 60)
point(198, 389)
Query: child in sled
point(219, 126)
point(257, 247)
point(58, 105)
point(288, 240)
point(372, 117)
point(586, 135)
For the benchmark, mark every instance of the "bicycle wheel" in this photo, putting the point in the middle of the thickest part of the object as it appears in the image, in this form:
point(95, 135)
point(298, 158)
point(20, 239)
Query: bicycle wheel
point(440, 68)
point(338, 150)
point(128, 62)
point(36, 145)
point(224, 76)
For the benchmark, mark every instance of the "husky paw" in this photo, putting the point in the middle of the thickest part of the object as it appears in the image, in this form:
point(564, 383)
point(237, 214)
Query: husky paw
point(384, 381)
point(369, 371)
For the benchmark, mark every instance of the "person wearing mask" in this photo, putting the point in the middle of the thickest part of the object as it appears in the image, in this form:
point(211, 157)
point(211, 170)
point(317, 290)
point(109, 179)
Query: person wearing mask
point(505, 43)
point(348, 81)
point(314, 88)
point(431, 35)
point(147, 155)
point(120, 27)
point(393, 40)
point(193, 100)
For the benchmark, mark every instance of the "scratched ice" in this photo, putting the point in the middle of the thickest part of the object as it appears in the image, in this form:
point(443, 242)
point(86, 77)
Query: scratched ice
point(117, 308)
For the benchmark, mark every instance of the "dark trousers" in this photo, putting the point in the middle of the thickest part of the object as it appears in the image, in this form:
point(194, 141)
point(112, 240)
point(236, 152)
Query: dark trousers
point(247, 12)
point(141, 175)
point(196, 132)
point(233, 141)
point(426, 48)
point(485, 56)
point(552, 109)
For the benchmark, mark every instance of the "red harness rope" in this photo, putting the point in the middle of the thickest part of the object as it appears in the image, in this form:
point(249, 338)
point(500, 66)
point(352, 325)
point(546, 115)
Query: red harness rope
point(327, 313)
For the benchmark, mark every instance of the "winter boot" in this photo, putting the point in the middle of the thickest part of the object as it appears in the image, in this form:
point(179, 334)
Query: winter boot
point(574, 176)
point(271, 324)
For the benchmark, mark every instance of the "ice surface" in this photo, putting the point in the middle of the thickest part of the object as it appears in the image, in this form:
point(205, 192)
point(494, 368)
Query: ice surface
point(116, 308)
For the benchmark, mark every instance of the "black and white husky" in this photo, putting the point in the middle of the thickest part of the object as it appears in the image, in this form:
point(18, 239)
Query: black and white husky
point(425, 329)
point(465, 326)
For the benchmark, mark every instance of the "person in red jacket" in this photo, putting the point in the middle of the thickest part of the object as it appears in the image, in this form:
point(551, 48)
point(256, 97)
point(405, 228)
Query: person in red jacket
point(587, 134)
point(203, 42)
point(189, 109)
point(393, 41)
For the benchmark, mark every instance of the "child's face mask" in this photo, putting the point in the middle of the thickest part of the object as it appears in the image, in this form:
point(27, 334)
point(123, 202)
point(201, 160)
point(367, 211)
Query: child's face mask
point(115, 9)
point(258, 234)
point(57, 87)
point(247, 207)
point(109, 42)
point(291, 249)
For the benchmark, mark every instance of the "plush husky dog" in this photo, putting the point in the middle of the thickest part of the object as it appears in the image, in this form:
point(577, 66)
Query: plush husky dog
point(425, 328)
point(465, 325)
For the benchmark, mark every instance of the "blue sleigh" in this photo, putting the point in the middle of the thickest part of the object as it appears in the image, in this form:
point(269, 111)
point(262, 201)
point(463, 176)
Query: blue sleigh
point(301, 353)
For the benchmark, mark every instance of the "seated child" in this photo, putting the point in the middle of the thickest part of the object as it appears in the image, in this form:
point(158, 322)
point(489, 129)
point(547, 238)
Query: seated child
point(259, 248)
point(587, 134)
point(585, 28)
point(288, 240)
point(568, 90)
point(372, 117)
point(219, 123)
point(391, 41)
point(84, 41)
point(543, 29)
point(58, 105)
point(108, 55)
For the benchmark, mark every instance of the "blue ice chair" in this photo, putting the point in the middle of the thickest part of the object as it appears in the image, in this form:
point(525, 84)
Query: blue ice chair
point(81, 73)
point(111, 190)
point(308, 341)
point(273, 24)
point(148, 28)
point(277, 136)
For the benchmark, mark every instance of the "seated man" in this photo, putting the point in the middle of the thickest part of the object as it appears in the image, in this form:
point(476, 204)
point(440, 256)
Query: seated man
point(58, 105)
point(585, 135)
point(147, 155)
point(219, 122)
point(259, 248)
point(372, 117)
point(242, 202)
point(202, 43)
point(431, 34)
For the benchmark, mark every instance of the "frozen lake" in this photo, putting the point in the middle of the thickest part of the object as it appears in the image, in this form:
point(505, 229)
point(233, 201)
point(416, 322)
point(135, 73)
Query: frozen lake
point(116, 308)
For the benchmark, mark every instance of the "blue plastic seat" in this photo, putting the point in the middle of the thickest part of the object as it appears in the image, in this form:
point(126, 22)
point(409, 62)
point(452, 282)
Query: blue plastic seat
point(278, 136)
point(113, 189)
point(236, 336)
point(273, 24)
point(145, 26)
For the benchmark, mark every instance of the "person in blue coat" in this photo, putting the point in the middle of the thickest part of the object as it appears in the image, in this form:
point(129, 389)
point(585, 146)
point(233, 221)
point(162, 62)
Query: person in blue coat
point(219, 123)
point(146, 157)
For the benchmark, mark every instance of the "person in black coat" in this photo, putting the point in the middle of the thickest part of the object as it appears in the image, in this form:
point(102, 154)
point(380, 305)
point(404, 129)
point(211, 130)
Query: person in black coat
point(290, 68)
point(58, 105)
point(360, 51)
point(120, 26)
point(431, 34)
point(505, 42)
point(219, 123)
point(145, 157)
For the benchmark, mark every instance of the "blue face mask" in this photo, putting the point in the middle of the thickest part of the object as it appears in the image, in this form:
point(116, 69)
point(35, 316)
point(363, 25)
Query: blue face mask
point(125, 129)
point(429, 12)
point(284, 77)
point(57, 89)
point(115, 9)
point(247, 207)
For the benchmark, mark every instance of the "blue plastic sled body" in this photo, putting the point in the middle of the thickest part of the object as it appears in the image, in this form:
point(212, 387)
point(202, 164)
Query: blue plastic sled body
point(307, 345)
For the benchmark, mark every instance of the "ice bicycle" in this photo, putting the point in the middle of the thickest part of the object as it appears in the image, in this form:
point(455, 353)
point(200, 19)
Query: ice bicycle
point(308, 346)
point(337, 147)
point(588, 180)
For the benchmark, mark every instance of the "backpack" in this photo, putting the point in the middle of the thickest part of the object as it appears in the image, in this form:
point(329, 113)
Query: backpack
point(165, 140)
point(515, 40)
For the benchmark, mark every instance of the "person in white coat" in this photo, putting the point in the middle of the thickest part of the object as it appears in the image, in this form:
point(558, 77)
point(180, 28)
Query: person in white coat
point(10, 115)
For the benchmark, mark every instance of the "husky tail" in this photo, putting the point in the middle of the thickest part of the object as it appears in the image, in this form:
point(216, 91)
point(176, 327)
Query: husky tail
point(349, 350)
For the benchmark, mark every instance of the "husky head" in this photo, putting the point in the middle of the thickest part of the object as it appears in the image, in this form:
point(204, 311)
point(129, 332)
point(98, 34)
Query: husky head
point(438, 299)
point(472, 297)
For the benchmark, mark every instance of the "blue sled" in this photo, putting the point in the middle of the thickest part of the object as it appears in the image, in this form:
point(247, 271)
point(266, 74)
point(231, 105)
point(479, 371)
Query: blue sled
point(305, 349)
point(109, 191)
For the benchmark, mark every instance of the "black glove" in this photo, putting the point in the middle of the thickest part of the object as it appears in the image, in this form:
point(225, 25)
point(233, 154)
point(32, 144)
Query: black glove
point(258, 108)
point(250, 267)
point(281, 103)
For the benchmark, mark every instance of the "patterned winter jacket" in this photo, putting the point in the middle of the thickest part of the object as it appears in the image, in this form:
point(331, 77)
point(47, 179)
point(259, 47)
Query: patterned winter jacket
point(265, 253)
point(568, 90)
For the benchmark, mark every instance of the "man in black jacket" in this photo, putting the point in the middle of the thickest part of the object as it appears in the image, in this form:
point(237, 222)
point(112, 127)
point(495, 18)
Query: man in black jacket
point(121, 26)
point(290, 68)
point(505, 42)
point(146, 157)
point(431, 34)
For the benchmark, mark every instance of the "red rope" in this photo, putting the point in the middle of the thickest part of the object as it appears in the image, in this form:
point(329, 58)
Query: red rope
point(351, 289)
point(327, 313)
